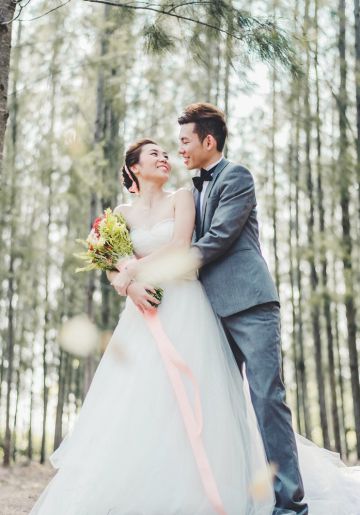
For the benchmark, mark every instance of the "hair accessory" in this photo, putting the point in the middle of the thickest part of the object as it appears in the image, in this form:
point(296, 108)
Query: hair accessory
point(134, 187)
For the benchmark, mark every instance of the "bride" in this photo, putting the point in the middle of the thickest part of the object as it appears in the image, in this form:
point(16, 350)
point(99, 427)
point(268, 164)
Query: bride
point(129, 452)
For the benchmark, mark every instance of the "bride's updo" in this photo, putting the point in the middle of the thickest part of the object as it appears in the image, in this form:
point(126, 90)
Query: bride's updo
point(132, 157)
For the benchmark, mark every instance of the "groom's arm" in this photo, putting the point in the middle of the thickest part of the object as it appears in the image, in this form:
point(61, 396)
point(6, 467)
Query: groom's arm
point(237, 199)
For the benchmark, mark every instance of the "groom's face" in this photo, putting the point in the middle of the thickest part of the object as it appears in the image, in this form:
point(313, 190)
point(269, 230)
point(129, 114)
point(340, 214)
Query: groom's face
point(192, 150)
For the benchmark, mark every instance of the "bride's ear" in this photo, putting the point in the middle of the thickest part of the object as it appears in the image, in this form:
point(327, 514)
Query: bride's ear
point(134, 169)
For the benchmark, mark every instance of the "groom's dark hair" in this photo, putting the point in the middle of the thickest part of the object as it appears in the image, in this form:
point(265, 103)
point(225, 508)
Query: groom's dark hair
point(208, 119)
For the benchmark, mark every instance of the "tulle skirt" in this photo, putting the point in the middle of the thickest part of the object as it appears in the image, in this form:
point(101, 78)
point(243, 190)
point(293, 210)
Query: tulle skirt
point(129, 453)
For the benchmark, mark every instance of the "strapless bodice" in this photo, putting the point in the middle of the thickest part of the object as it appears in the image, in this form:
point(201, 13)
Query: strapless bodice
point(146, 240)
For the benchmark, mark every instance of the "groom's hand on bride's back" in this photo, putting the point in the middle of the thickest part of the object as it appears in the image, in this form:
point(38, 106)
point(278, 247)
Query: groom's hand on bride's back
point(140, 294)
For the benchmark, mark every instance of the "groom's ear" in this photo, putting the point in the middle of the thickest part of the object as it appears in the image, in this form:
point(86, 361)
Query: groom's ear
point(210, 142)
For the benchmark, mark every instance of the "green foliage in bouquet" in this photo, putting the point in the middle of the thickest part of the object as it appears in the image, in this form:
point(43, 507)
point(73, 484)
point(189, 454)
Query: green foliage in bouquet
point(159, 292)
point(109, 241)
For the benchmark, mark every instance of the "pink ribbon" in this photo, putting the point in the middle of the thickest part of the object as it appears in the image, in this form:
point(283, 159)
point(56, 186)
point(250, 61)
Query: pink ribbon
point(174, 364)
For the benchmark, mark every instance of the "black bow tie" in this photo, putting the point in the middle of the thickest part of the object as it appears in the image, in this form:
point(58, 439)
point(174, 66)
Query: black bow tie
point(205, 176)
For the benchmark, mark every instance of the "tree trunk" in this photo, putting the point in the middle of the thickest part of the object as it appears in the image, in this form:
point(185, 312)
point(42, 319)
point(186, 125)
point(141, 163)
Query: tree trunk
point(7, 11)
point(314, 280)
point(10, 344)
point(12, 237)
point(228, 59)
point(345, 222)
point(89, 364)
point(46, 324)
point(299, 282)
point(357, 85)
point(61, 398)
point(29, 450)
point(323, 258)
point(293, 168)
point(274, 182)
point(49, 179)
point(2, 373)
point(335, 317)
point(17, 390)
point(335, 280)
point(295, 358)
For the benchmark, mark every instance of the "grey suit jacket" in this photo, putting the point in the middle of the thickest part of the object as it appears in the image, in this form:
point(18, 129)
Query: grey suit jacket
point(233, 272)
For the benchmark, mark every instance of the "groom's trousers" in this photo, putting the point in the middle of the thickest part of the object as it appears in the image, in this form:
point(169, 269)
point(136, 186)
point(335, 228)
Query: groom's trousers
point(254, 337)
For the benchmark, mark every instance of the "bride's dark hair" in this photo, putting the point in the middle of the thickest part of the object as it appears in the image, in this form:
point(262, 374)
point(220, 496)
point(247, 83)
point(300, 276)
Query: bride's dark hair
point(132, 157)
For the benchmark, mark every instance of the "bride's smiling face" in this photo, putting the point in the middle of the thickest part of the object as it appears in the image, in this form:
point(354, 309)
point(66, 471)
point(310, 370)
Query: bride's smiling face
point(153, 165)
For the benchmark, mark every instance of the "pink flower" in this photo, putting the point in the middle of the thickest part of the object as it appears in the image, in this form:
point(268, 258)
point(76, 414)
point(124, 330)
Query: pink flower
point(96, 224)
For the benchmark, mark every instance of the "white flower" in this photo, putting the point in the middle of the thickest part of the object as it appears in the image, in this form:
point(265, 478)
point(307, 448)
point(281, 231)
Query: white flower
point(93, 238)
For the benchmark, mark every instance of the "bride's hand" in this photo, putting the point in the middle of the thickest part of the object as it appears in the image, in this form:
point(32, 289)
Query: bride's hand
point(139, 294)
point(131, 267)
point(126, 274)
point(120, 281)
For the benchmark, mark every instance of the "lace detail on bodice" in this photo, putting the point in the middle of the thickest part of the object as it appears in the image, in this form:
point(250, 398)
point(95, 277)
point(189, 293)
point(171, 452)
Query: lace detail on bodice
point(146, 240)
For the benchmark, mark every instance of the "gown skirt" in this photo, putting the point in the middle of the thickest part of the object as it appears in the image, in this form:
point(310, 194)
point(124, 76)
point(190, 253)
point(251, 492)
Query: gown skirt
point(128, 452)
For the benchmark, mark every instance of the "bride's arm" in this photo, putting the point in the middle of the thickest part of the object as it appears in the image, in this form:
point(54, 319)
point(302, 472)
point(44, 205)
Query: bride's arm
point(181, 239)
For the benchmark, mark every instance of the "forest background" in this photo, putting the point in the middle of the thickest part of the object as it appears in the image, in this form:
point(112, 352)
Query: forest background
point(84, 79)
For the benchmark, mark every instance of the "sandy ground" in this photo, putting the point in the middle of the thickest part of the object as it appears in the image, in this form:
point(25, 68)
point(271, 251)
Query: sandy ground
point(20, 486)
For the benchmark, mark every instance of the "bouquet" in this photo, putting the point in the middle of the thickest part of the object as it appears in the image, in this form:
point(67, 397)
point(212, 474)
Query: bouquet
point(107, 245)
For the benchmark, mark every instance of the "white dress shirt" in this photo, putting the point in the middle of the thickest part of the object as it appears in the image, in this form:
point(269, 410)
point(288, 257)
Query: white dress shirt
point(206, 183)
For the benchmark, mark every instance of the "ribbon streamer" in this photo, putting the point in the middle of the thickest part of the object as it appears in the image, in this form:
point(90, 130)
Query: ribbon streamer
point(174, 364)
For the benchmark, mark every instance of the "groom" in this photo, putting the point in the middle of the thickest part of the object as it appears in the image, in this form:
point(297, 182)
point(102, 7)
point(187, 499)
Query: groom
point(240, 288)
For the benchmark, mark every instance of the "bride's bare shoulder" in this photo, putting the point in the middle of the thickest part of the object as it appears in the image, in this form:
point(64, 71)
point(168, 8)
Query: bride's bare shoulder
point(183, 194)
point(179, 196)
point(122, 209)
point(181, 191)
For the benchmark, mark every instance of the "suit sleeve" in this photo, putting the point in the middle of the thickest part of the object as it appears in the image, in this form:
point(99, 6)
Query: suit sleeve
point(237, 199)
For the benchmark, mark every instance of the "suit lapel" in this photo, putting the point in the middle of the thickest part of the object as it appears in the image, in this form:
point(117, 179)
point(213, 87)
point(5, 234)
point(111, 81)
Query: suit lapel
point(224, 162)
point(196, 195)
point(215, 175)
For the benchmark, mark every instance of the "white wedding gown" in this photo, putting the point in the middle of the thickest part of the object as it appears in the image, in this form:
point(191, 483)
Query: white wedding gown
point(129, 454)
